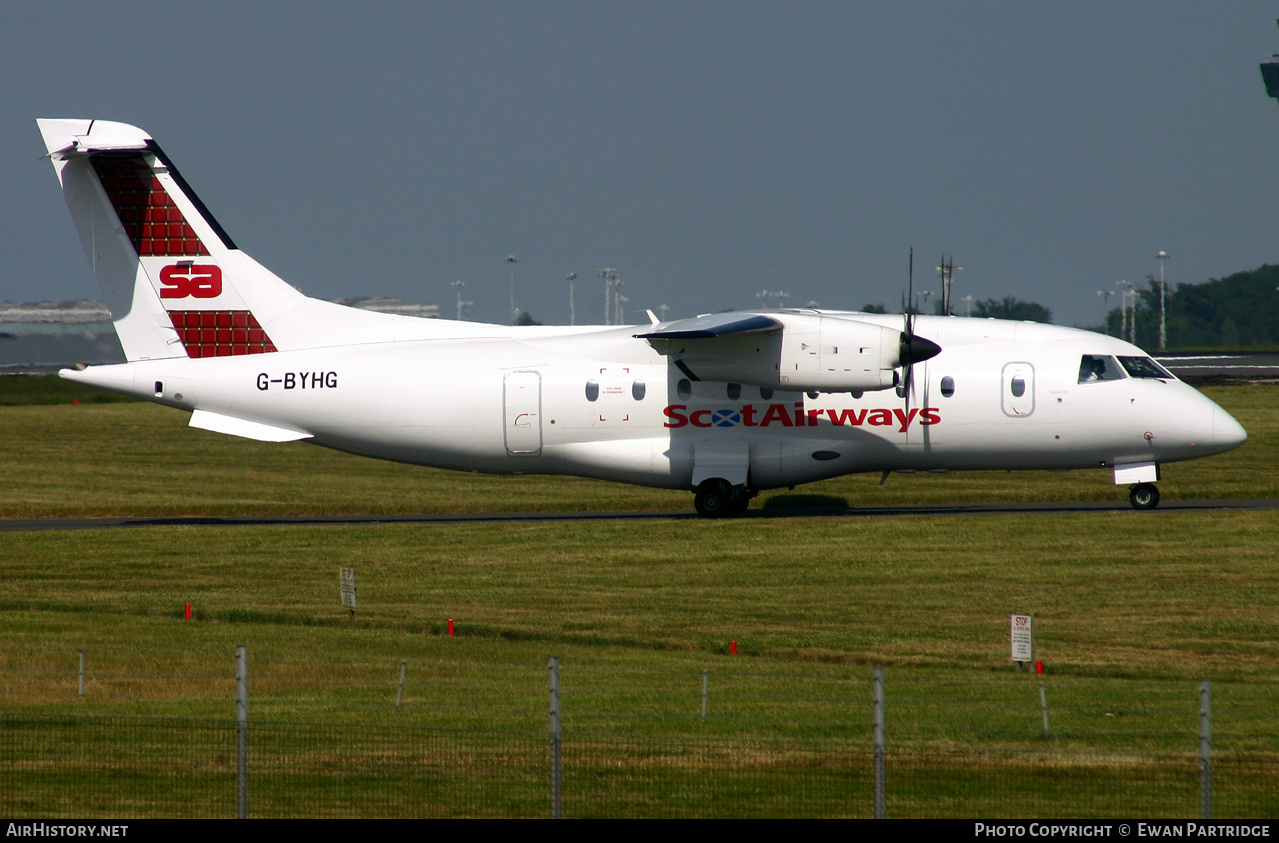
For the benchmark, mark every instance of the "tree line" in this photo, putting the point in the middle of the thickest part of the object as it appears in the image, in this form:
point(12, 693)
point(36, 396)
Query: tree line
point(1238, 311)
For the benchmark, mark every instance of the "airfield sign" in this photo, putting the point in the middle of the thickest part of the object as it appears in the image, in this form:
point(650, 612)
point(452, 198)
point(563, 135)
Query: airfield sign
point(346, 580)
point(1023, 638)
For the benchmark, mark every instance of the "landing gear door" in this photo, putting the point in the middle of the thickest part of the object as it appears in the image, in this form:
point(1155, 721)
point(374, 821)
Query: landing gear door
point(1018, 389)
point(714, 459)
point(522, 407)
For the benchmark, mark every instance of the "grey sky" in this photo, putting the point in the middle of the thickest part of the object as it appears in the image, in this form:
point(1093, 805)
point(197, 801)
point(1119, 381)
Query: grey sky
point(707, 150)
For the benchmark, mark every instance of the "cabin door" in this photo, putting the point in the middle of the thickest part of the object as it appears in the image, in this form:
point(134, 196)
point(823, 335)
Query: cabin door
point(522, 407)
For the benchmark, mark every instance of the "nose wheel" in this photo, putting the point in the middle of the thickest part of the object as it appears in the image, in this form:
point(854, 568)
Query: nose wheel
point(1144, 496)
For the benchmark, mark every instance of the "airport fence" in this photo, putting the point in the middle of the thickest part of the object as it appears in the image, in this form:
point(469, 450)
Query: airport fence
point(136, 734)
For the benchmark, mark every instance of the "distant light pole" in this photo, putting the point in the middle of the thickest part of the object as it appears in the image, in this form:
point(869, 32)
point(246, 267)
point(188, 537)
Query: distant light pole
point(927, 294)
point(662, 308)
point(608, 273)
point(1162, 256)
point(459, 284)
point(621, 300)
point(1125, 320)
point(1105, 301)
point(947, 272)
point(617, 300)
point(512, 260)
point(968, 304)
point(776, 296)
point(572, 312)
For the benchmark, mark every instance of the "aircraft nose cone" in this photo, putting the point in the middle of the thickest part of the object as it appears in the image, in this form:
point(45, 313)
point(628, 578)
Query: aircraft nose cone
point(1226, 432)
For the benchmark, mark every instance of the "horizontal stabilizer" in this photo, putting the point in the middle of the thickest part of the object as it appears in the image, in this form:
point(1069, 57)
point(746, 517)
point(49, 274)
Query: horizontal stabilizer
point(68, 137)
point(218, 423)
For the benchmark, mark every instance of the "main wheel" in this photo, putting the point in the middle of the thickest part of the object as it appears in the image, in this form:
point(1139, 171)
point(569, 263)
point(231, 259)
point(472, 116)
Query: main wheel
point(1144, 496)
point(712, 502)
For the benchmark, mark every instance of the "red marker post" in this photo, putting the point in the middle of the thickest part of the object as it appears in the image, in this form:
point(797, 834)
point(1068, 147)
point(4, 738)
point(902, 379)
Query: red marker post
point(188, 611)
point(450, 626)
point(732, 648)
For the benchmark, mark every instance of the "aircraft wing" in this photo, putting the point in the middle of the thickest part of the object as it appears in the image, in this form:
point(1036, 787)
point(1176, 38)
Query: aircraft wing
point(785, 350)
point(713, 325)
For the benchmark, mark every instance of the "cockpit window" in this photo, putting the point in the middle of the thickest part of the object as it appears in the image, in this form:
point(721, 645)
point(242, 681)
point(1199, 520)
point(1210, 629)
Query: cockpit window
point(1094, 367)
point(1144, 367)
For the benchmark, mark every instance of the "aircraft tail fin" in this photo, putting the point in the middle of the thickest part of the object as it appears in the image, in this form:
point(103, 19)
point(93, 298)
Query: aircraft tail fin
point(175, 283)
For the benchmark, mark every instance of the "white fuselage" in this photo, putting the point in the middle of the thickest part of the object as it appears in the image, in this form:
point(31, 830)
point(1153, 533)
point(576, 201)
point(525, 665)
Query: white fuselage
point(601, 403)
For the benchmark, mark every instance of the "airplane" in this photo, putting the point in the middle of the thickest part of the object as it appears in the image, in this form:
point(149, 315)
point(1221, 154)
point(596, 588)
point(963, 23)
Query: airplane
point(724, 405)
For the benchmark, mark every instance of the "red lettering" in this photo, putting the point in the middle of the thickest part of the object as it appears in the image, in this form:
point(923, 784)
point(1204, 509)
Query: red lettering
point(199, 281)
point(776, 412)
point(848, 416)
point(905, 418)
point(677, 415)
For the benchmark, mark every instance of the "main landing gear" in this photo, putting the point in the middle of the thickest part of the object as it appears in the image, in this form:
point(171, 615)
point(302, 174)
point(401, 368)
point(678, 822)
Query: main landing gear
point(1144, 496)
point(719, 499)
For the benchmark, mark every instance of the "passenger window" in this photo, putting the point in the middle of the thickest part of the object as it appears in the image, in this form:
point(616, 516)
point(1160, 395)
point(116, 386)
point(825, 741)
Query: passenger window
point(637, 390)
point(1095, 367)
point(592, 390)
point(734, 391)
point(1144, 367)
point(684, 388)
point(765, 393)
point(1018, 387)
point(947, 386)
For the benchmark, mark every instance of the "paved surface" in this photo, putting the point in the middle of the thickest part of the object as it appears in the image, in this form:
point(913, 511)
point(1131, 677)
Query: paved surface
point(19, 525)
point(1262, 364)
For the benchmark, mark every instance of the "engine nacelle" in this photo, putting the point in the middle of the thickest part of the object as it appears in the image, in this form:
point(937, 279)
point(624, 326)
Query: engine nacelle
point(811, 352)
point(834, 354)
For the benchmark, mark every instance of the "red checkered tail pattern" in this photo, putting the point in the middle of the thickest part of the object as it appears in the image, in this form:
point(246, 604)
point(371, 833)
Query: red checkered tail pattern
point(175, 283)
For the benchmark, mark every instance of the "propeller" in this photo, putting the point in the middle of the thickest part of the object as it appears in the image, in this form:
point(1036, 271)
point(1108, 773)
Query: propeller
point(913, 349)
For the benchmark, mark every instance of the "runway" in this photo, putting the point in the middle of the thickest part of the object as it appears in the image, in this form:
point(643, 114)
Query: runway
point(1236, 364)
point(26, 525)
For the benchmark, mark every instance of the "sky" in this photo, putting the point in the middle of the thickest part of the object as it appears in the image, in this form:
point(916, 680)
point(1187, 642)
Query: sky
point(708, 151)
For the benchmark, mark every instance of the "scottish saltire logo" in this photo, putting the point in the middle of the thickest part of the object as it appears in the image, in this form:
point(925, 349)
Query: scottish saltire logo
point(726, 418)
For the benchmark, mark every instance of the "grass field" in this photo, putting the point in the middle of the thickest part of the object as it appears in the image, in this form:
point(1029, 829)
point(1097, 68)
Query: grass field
point(1132, 609)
